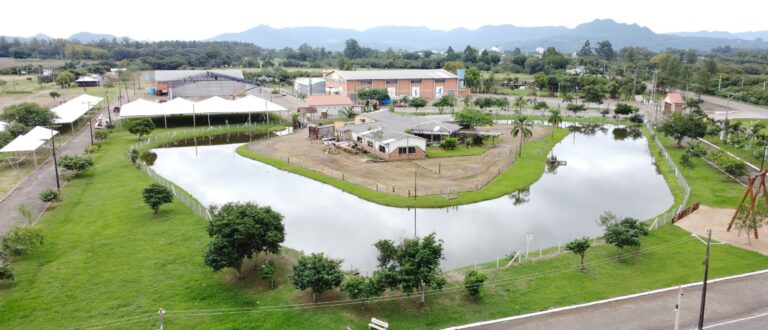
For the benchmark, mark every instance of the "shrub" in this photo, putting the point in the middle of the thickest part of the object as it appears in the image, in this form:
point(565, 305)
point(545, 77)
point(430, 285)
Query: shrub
point(695, 149)
point(449, 144)
point(6, 272)
point(477, 140)
point(92, 149)
point(133, 155)
point(21, 241)
point(75, 163)
point(685, 160)
point(473, 282)
point(729, 164)
point(100, 135)
point(49, 195)
point(156, 195)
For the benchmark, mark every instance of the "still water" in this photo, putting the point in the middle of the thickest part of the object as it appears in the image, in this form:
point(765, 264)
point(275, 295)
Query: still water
point(607, 169)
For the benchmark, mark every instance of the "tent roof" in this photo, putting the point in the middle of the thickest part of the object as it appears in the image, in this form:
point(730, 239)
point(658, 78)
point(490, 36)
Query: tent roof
point(41, 133)
point(140, 108)
point(75, 108)
point(22, 143)
point(212, 105)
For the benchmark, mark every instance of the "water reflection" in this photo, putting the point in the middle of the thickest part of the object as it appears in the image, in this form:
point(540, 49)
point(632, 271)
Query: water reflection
point(601, 174)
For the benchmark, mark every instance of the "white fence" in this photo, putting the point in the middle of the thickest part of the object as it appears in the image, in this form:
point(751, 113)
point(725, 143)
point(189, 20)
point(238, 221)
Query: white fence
point(666, 217)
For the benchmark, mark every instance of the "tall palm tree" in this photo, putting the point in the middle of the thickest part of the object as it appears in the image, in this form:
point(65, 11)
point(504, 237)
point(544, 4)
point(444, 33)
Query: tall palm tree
point(693, 104)
point(520, 102)
point(555, 119)
point(523, 127)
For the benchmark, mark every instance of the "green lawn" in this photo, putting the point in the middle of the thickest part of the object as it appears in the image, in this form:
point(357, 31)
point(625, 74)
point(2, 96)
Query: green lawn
point(708, 185)
point(462, 150)
point(107, 258)
point(520, 174)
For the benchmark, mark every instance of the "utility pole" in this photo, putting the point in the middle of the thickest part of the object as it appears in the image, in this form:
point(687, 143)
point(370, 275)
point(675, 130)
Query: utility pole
point(55, 161)
point(720, 82)
point(704, 286)
point(653, 94)
point(109, 114)
point(90, 122)
point(677, 308)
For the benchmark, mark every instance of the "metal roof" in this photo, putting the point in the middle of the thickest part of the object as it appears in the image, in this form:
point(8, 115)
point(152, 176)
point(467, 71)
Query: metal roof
point(403, 123)
point(173, 75)
point(388, 136)
point(396, 74)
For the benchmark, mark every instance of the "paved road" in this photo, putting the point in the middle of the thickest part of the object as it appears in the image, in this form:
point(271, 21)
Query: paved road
point(41, 178)
point(716, 107)
point(731, 304)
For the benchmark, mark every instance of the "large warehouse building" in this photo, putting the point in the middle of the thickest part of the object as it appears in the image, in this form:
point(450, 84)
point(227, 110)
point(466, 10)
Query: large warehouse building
point(200, 83)
point(429, 84)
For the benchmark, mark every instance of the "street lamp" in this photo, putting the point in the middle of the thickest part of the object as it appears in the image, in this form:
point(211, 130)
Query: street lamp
point(55, 161)
point(90, 122)
point(725, 124)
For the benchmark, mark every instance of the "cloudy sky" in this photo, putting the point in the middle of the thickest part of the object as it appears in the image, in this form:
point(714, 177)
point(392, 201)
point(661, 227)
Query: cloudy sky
point(185, 20)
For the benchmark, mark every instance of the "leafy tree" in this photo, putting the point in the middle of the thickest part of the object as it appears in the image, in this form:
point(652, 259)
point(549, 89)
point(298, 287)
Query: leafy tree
point(65, 79)
point(362, 288)
point(376, 94)
point(451, 55)
point(470, 54)
point(473, 282)
point(575, 108)
point(156, 195)
point(352, 49)
point(693, 104)
point(316, 272)
point(623, 109)
point(141, 127)
point(444, 102)
point(579, 247)
point(626, 232)
point(100, 135)
point(54, 95)
point(417, 102)
point(472, 77)
point(49, 195)
point(267, 272)
point(636, 118)
point(523, 127)
point(605, 51)
point(593, 94)
point(413, 265)
point(586, 50)
point(448, 143)
point(21, 241)
point(680, 126)
point(28, 115)
point(555, 119)
point(520, 103)
point(242, 230)
point(541, 105)
point(75, 163)
point(133, 155)
point(471, 117)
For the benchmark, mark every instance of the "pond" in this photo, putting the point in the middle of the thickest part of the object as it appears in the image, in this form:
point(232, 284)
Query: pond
point(606, 169)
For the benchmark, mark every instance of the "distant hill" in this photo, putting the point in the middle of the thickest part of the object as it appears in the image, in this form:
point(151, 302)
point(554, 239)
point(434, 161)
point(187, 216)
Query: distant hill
point(725, 35)
point(38, 36)
point(86, 37)
point(506, 36)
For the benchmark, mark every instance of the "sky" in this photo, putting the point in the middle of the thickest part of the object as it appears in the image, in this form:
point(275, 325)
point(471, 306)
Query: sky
point(187, 20)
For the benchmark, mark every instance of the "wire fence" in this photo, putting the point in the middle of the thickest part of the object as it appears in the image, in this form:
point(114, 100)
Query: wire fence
point(667, 216)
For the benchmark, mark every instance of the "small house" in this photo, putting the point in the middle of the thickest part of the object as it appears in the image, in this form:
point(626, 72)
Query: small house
point(673, 103)
point(328, 105)
point(88, 81)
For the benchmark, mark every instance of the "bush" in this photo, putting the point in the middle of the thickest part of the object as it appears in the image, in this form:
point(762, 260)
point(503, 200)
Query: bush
point(100, 135)
point(6, 272)
point(449, 144)
point(473, 282)
point(49, 195)
point(21, 241)
point(92, 149)
point(75, 163)
point(695, 149)
point(477, 140)
point(685, 160)
point(133, 155)
point(728, 164)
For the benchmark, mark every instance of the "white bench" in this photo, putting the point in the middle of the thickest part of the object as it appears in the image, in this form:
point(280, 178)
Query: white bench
point(378, 324)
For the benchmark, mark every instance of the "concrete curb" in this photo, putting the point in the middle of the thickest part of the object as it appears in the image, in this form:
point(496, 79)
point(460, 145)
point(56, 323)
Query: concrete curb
point(566, 308)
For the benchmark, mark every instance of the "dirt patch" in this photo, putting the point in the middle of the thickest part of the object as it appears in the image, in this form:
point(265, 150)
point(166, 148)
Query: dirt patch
point(717, 219)
point(439, 176)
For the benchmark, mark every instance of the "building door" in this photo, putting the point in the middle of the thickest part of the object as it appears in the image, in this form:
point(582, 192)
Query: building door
point(439, 91)
point(415, 91)
point(392, 92)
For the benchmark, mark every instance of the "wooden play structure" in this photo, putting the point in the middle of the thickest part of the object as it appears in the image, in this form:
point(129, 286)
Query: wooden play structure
point(755, 189)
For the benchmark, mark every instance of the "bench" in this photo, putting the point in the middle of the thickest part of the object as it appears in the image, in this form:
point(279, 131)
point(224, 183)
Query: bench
point(378, 324)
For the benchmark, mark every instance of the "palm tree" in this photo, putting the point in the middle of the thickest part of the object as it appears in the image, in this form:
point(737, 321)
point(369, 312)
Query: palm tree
point(555, 119)
point(693, 104)
point(523, 127)
point(520, 102)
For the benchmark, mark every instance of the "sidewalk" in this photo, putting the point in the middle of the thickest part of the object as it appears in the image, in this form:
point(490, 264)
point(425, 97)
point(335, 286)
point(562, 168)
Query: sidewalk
point(41, 178)
point(739, 302)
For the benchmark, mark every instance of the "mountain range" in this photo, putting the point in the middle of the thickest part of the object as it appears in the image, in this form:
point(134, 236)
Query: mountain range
point(506, 37)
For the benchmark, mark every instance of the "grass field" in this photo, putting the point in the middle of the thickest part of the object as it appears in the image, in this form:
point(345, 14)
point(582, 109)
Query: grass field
point(106, 258)
point(520, 174)
point(462, 150)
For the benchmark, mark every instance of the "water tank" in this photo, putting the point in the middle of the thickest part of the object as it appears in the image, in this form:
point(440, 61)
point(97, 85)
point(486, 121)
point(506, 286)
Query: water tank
point(151, 91)
point(386, 101)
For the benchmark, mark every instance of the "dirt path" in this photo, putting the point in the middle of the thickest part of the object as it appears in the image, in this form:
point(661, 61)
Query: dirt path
point(445, 176)
point(717, 219)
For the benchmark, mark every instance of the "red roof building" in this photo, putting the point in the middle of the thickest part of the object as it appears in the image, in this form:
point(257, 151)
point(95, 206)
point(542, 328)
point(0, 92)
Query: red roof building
point(673, 103)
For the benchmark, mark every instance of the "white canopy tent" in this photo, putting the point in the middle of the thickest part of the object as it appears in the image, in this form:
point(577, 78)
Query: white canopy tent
point(41, 133)
point(73, 109)
point(29, 142)
point(214, 105)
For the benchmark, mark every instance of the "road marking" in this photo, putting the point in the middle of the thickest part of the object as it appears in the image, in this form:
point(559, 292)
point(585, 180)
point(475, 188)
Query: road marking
point(736, 320)
point(641, 294)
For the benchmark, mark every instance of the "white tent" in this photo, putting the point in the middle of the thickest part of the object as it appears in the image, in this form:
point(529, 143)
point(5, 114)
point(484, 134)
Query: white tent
point(213, 105)
point(41, 133)
point(75, 108)
point(140, 108)
point(22, 143)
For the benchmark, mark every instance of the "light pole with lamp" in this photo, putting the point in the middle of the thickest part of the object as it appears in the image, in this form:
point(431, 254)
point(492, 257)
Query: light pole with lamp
point(55, 161)
point(724, 135)
point(90, 122)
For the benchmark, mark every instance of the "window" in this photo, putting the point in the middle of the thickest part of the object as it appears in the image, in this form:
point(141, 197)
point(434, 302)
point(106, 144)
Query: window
point(406, 150)
point(439, 81)
point(391, 81)
point(370, 143)
point(382, 149)
point(411, 150)
point(359, 139)
point(416, 81)
point(366, 82)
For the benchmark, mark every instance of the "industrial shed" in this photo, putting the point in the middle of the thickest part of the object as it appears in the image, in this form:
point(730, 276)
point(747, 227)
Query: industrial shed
point(201, 83)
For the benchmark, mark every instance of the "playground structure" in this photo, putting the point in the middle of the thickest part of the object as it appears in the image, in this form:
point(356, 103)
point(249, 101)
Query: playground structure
point(753, 193)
